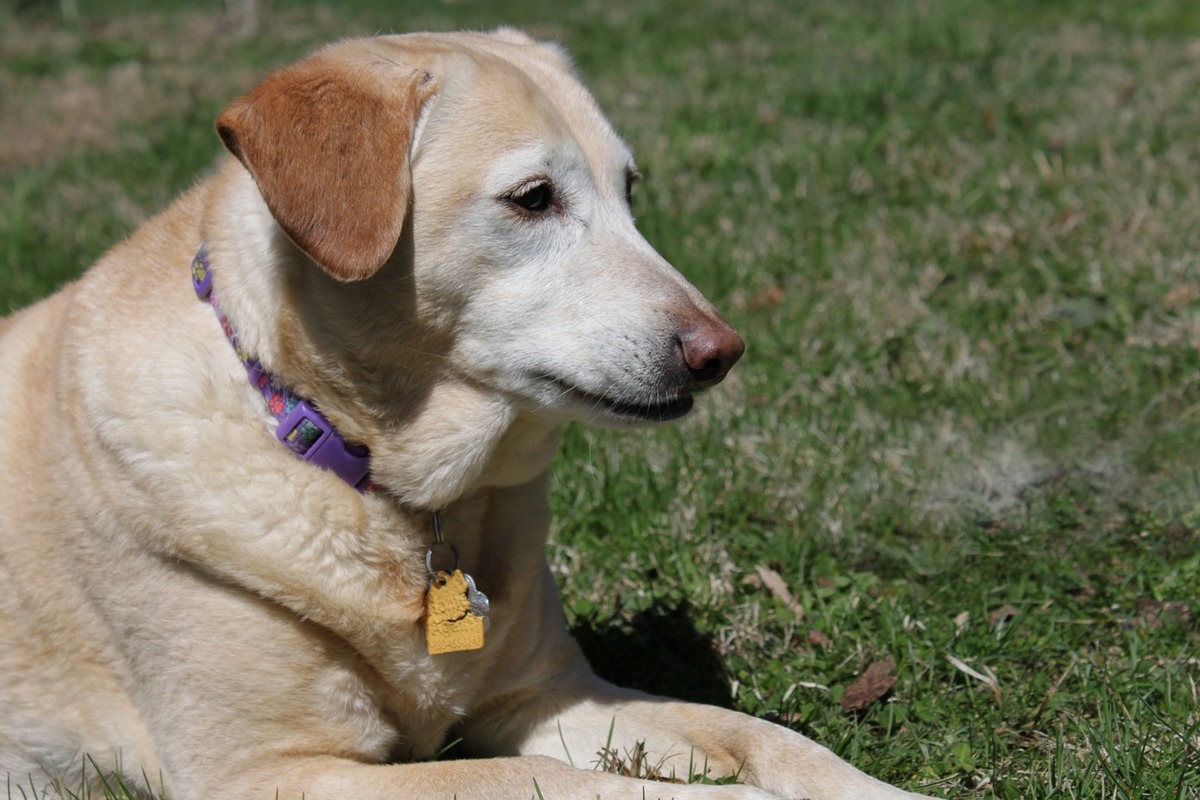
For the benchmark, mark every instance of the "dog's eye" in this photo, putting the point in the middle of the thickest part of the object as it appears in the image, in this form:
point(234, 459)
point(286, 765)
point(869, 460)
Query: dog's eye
point(631, 178)
point(534, 197)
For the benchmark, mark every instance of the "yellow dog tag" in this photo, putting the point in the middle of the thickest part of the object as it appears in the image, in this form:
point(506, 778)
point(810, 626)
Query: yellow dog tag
point(453, 618)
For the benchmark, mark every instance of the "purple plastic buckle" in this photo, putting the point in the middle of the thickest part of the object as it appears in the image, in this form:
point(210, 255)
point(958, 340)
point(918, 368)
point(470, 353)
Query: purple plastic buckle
point(329, 450)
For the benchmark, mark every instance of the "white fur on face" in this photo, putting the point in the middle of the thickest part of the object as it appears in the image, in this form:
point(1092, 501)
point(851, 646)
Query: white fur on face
point(569, 309)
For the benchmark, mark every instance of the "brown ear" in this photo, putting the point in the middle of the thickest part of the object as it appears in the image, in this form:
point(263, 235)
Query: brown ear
point(331, 152)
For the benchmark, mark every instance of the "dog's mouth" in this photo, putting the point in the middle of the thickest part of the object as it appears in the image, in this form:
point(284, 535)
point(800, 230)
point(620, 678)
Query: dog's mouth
point(624, 407)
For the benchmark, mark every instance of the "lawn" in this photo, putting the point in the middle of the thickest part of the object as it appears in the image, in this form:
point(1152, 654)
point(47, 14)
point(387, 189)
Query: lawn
point(962, 241)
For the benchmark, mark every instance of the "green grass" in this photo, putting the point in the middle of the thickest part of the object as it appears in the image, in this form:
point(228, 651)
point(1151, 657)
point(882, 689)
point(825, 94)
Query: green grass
point(962, 240)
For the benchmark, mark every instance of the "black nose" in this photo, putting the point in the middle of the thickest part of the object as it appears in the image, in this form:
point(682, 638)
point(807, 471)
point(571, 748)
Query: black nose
point(710, 348)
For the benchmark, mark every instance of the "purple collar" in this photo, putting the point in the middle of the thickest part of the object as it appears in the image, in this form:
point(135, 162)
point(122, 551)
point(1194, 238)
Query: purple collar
point(301, 427)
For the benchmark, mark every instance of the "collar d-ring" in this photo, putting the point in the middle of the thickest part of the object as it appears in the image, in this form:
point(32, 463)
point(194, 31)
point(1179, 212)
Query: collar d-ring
point(429, 557)
point(439, 541)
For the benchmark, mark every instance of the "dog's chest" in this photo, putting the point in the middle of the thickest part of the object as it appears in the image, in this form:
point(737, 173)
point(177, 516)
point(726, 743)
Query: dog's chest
point(405, 715)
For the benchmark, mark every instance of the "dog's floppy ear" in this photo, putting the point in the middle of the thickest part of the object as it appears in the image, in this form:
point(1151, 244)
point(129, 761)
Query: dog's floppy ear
point(331, 153)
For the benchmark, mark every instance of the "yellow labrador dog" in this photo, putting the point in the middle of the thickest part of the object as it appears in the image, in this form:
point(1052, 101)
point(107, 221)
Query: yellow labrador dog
point(274, 471)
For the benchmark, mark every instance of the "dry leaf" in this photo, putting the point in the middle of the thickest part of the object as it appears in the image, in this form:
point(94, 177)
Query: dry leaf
point(818, 639)
point(770, 297)
point(1002, 614)
point(1181, 296)
point(778, 587)
point(877, 681)
point(1155, 613)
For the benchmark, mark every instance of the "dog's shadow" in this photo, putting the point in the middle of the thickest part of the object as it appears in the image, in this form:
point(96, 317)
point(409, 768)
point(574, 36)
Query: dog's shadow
point(659, 650)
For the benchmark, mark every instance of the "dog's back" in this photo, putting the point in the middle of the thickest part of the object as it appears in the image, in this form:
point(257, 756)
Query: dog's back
point(65, 713)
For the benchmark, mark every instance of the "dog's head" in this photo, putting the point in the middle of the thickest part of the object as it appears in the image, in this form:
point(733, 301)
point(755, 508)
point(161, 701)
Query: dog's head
point(473, 184)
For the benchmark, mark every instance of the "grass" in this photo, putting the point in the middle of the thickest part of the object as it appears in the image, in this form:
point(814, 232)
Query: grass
point(963, 242)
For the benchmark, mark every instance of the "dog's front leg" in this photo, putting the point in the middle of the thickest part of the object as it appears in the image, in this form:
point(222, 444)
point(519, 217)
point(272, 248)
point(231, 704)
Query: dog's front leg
point(533, 777)
point(592, 722)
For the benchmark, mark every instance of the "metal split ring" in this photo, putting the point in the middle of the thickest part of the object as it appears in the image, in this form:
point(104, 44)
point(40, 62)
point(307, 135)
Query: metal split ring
point(429, 556)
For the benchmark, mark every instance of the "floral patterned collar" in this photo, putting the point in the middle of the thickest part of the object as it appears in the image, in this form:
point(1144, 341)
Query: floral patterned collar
point(302, 428)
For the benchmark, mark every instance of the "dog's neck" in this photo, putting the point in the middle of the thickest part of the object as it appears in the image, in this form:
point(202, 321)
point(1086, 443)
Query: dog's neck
point(433, 437)
point(463, 439)
point(301, 427)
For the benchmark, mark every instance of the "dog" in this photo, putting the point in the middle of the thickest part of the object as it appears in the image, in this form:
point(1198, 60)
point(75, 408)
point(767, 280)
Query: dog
point(274, 470)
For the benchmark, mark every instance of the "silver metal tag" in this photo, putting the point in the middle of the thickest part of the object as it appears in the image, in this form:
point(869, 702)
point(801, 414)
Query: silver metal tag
point(480, 605)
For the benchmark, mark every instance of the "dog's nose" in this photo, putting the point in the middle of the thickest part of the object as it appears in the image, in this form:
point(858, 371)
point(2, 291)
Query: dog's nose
point(710, 349)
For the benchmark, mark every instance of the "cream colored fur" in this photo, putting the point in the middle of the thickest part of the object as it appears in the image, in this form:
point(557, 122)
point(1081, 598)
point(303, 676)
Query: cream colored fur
point(181, 598)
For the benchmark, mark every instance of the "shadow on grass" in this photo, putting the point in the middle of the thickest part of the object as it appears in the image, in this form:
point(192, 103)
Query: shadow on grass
point(659, 650)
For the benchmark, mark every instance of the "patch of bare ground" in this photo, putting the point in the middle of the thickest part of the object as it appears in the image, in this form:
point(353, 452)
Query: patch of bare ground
point(64, 88)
